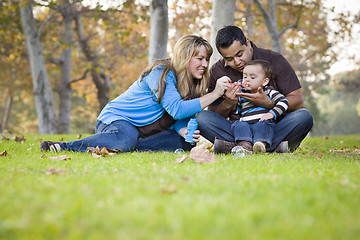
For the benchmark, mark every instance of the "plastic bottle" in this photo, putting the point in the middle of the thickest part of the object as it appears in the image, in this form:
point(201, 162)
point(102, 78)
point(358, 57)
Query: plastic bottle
point(239, 151)
point(191, 127)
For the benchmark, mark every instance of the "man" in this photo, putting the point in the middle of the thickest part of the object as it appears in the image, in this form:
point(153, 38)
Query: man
point(236, 50)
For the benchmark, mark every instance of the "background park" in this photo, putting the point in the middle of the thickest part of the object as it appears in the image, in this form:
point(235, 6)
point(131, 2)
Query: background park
point(62, 61)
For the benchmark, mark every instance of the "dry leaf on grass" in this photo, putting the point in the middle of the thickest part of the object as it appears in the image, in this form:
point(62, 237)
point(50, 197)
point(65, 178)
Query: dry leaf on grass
point(20, 139)
point(103, 152)
point(4, 153)
point(200, 154)
point(54, 171)
point(169, 190)
point(60, 158)
point(5, 138)
point(343, 150)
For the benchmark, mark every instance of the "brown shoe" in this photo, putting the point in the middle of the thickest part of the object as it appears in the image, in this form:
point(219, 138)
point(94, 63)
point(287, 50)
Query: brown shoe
point(222, 146)
point(246, 145)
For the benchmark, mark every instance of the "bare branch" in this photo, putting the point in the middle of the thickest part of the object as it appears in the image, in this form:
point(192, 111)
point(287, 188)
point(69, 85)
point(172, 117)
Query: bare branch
point(81, 78)
point(45, 22)
point(295, 25)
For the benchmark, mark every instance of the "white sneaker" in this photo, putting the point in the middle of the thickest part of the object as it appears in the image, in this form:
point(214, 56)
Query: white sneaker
point(259, 147)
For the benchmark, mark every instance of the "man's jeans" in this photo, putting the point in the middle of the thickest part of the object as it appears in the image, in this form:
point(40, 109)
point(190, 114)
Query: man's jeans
point(124, 136)
point(293, 127)
point(262, 131)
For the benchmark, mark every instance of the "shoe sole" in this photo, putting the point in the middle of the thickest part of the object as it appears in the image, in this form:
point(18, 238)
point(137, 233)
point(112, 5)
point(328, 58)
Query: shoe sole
point(259, 148)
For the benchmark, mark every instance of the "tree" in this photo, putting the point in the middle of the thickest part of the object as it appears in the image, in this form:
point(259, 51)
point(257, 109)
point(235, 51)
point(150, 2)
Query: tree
point(222, 15)
point(43, 96)
point(64, 88)
point(271, 21)
point(158, 30)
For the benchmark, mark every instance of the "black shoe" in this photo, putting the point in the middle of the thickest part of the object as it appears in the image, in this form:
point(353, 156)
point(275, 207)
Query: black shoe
point(50, 146)
point(222, 146)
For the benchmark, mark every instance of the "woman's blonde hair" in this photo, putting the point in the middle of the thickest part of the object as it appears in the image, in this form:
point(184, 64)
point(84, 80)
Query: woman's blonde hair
point(188, 87)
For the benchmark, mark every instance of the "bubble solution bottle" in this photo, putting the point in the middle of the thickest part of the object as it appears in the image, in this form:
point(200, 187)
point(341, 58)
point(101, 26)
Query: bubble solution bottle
point(191, 127)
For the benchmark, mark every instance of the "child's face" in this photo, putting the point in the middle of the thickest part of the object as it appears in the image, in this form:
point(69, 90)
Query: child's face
point(254, 77)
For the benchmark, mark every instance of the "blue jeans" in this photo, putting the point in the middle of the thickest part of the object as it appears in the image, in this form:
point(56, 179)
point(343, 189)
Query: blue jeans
point(293, 127)
point(124, 136)
point(262, 131)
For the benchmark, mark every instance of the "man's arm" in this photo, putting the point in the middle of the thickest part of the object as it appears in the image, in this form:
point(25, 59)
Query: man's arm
point(295, 99)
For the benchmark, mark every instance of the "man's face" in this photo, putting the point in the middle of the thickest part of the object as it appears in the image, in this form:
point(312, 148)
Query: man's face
point(237, 55)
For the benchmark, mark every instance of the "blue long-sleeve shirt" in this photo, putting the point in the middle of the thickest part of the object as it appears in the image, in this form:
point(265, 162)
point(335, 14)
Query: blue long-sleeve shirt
point(138, 105)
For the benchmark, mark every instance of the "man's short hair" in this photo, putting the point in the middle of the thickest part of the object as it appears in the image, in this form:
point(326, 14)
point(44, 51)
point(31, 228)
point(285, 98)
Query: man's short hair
point(227, 35)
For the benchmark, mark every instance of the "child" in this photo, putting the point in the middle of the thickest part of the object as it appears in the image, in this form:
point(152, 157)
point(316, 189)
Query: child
point(255, 129)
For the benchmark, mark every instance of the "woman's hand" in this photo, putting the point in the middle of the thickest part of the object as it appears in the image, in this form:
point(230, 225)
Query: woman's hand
point(222, 84)
point(196, 136)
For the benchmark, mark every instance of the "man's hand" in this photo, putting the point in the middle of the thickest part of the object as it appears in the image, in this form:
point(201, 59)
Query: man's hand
point(267, 116)
point(232, 93)
point(258, 98)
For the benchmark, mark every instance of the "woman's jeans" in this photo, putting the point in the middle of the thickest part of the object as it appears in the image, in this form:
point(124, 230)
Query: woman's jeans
point(262, 131)
point(293, 127)
point(122, 135)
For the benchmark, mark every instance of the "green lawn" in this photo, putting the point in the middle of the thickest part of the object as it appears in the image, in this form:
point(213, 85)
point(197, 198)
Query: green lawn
point(312, 193)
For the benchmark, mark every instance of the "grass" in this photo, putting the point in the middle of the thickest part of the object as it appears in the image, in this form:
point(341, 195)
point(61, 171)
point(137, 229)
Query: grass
point(312, 193)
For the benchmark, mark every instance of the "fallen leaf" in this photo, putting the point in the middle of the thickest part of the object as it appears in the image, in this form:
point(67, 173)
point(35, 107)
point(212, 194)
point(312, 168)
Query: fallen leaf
point(20, 139)
point(60, 158)
point(170, 190)
point(54, 171)
point(200, 154)
point(96, 155)
point(5, 138)
point(4, 154)
point(103, 152)
point(182, 159)
point(341, 150)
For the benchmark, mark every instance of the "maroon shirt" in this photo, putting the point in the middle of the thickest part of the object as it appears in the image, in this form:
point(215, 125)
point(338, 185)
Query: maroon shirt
point(283, 77)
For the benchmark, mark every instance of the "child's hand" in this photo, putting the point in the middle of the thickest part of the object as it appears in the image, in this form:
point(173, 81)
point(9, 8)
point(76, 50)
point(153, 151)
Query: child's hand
point(267, 116)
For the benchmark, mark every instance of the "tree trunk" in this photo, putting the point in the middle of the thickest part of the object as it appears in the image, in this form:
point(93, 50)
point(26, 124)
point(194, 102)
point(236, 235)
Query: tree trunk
point(43, 95)
point(64, 90)
point(6, 110)
point(222, 15)
point(101, 80)
point(249, 16)
point(159, 25)
point(271, 24)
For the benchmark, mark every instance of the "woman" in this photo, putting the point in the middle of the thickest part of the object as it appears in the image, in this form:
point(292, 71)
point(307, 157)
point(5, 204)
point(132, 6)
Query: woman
point(153, 113)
